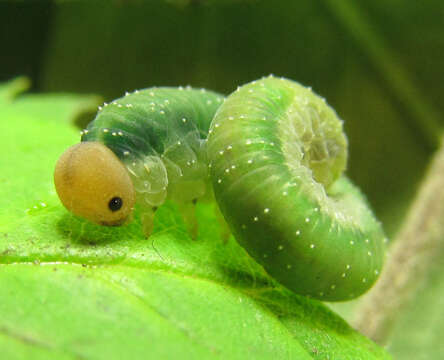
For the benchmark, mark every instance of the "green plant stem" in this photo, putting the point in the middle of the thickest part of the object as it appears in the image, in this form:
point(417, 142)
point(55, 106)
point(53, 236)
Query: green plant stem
point(417, 245)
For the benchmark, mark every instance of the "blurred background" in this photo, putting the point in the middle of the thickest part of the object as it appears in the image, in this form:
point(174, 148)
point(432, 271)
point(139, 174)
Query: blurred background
point(379, 63)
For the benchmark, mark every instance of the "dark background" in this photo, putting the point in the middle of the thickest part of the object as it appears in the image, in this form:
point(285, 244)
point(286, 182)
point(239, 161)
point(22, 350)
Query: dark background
point(378, 63)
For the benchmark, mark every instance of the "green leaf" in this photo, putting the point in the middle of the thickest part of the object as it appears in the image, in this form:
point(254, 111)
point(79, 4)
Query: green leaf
point(71, 289)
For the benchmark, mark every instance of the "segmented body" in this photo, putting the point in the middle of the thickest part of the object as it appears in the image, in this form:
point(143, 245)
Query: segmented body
point(159, 134)
point(276, 153)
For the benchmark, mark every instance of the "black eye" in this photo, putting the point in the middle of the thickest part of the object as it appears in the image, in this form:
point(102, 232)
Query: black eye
point(115, 203)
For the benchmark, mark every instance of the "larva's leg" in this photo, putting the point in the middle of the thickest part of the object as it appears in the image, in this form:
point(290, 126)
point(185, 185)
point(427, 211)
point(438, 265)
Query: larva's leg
point(225, 229)
point(188, 212)
point(148, 220)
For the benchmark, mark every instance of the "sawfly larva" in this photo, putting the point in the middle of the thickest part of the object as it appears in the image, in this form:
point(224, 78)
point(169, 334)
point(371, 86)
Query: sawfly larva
point(275, 155)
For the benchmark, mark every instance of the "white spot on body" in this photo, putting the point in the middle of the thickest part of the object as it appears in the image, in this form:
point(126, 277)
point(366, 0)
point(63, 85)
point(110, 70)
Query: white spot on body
point(266, 210)
point(312, 246)
point(255, 218)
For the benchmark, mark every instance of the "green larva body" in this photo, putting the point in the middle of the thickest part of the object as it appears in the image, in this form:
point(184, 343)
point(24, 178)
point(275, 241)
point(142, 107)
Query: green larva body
point(276, 152)
point(159, 135)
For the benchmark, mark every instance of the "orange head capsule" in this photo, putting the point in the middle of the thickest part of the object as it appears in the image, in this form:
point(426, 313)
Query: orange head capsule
point(93, 183)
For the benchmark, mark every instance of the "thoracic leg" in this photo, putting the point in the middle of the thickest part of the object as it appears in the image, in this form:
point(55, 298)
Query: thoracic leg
point(225, 229)
point(148, 220)
point(188, 212)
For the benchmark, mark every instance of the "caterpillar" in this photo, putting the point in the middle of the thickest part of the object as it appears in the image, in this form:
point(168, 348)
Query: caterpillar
point(273, 154)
